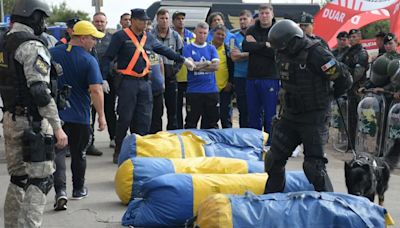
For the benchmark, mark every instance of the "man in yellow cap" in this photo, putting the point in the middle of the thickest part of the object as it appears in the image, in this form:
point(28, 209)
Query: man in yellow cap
point(81, 71)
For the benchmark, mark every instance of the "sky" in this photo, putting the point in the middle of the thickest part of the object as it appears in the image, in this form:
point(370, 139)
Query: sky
point(112, 8)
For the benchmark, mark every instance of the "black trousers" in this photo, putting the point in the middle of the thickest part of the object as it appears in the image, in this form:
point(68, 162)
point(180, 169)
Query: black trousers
point(353, 101)
point(171, 96)
point(109, 110)
point(157, 113)
point(182, 86)
point(204, 105)
point(78, 141)
point(286, 136)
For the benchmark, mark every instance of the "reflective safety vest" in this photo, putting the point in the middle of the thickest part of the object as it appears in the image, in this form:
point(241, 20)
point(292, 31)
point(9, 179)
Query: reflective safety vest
point(139, 50)
point(63, 40)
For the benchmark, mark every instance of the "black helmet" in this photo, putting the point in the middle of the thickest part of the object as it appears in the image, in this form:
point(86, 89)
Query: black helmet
point(393, 70)
point(25, 8)
point(283, 32)
point(379, 74)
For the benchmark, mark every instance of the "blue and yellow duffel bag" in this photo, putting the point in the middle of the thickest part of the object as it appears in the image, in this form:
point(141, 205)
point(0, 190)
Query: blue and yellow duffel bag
point(296, 209)
point(133, 172)
point(171, 199)
point(243, 143)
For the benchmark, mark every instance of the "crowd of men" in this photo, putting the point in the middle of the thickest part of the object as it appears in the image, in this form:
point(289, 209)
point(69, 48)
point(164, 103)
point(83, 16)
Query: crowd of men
point(126, 78)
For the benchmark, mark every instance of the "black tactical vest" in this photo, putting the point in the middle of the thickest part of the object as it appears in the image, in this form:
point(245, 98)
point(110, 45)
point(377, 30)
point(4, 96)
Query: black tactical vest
point(13, 86)
point(304, 90)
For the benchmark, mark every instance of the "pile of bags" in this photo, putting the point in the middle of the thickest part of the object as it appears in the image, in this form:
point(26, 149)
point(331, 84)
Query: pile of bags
point(217, 176)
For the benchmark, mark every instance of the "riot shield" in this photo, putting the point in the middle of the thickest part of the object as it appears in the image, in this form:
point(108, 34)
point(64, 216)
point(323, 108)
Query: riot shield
point(338, 123)
point(371, 117)
point(392, 127)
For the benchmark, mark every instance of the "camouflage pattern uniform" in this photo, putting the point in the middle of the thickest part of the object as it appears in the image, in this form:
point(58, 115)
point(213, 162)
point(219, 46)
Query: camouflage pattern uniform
point(24, 208)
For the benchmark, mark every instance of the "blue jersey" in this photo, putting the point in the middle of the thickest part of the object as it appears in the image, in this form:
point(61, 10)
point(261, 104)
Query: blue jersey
point(240, 66)
point(201, 82)
point(80, 69)
point(188, 37)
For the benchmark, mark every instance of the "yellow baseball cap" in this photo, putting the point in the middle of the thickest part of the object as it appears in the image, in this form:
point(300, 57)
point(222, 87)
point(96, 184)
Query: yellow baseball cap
point(85, 28)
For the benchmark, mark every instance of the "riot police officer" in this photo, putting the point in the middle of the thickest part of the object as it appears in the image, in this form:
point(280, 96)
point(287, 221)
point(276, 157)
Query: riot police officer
point(356, 59)
point(30, 117)
point(307, 70)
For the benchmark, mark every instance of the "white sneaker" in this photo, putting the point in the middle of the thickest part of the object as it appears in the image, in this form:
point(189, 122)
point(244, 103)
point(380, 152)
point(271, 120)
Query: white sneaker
point(299, 149)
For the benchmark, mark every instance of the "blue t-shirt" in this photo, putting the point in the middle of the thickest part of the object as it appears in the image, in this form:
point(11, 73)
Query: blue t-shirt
point(201, 82)
point(240, 66)
point(80, 69)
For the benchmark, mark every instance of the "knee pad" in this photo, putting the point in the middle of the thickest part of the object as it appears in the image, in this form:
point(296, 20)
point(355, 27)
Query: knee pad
point(315, 170)
point(20, 181)
point(271, 164)
point(44, 184)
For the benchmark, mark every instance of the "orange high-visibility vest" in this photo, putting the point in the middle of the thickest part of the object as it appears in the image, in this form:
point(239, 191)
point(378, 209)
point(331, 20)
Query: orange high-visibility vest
point(64, 40)
point(139, 50)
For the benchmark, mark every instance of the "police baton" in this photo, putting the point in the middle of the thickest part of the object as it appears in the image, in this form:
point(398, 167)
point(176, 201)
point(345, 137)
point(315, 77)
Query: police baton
point(345, 128)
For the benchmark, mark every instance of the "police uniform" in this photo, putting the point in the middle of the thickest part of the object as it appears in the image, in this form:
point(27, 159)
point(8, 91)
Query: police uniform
point(308, 19)
point(356, 59)
point(306, 72)
point(339, 52)
point(25, 65)
point(134, 96)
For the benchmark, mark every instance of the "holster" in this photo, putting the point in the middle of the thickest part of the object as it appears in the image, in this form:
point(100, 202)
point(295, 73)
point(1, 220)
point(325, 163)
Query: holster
point(37, 146)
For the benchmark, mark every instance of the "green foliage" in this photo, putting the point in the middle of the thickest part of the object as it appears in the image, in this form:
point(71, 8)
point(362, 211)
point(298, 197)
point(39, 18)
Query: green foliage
point(61, 13)
point(371, 30)
point(8, 4)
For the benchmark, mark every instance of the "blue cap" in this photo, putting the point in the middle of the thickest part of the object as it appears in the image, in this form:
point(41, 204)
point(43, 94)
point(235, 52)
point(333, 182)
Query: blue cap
point(139, 14)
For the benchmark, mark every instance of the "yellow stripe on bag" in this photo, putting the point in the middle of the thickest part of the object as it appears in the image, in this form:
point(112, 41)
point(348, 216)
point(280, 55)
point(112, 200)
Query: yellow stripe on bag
point(193, 145)
point(210, 165)
point(123, 181)
point(205, 185)
point(389, 220)
point(218, 204)
point(163, 144)
point(265, 137)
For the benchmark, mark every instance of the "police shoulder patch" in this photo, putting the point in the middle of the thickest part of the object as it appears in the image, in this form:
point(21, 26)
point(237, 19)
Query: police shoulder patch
point(41, 65)
point(327, 66)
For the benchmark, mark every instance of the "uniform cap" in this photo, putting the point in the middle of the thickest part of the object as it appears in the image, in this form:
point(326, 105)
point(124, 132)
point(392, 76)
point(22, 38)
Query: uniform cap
point(389, 37)
point(354, 31)
point(139, 14)
point(177, 13)
point(85, 28)
point(306, 18)
point(342, 34)
point(71, 22)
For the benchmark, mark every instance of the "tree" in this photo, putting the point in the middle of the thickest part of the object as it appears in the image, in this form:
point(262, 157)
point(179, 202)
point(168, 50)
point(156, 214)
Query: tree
point(8, 4)
point(369, 31)
point(61, 13)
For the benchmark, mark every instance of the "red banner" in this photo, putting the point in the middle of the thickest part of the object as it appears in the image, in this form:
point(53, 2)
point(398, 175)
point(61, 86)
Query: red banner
point(343, 15)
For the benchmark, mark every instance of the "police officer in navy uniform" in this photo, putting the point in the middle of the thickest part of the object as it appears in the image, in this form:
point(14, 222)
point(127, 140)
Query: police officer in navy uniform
point(306, 23)
point(131, 47)
point(30, 117)
point(307, 70)
point(356, 58)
